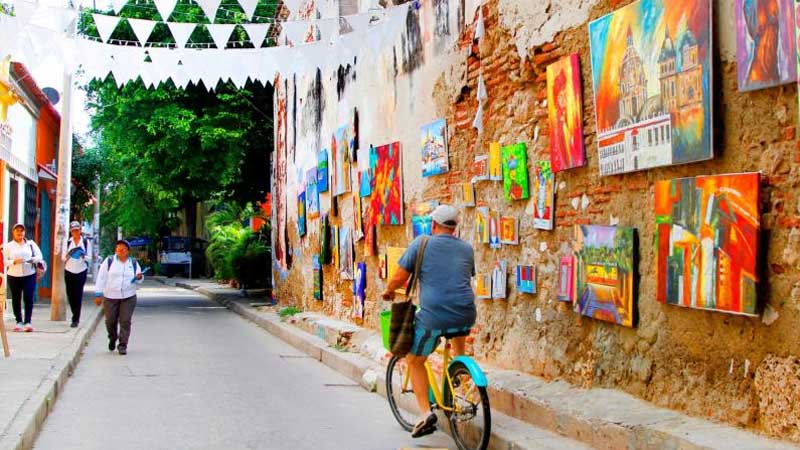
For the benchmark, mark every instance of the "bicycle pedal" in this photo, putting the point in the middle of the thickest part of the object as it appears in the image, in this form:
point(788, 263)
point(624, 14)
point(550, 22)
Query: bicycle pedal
point(425, 431)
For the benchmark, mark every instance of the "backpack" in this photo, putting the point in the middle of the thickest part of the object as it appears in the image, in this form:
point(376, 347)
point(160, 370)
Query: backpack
point(110, 260)
point(83, 241)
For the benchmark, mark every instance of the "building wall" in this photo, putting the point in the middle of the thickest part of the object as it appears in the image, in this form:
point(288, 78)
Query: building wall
point(734, 369)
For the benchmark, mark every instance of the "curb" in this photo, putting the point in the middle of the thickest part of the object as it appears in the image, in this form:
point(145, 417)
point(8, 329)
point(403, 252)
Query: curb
point(25, 427)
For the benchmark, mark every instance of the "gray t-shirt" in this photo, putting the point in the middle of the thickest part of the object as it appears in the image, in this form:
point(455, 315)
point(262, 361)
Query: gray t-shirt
point(445, 291)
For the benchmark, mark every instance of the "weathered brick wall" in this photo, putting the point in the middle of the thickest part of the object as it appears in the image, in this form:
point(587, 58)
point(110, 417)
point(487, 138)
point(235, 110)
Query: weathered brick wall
point(708, 364)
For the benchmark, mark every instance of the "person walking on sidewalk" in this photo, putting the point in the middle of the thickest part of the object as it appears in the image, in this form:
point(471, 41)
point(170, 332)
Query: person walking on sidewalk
point(447, 302)
point(116, 286)
point(76, 253)
point(22, 259)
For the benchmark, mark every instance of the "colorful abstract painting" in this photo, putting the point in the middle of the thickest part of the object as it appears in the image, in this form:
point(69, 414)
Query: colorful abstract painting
point(495, 162)
point(359, 290)
point(421, 217)
point(499, 280)
point(346, 256)
point(526, 279)
point(509, 230)
point(707, 242)
point(434, 148)
point(386, 201)
point(482, 225)
point(312, 194)
point(483, 285)
point(565, 109)
point(480, 168)
point(301, 214)
point(651, 71)
point(467, 194)
point(322, 171)
point(604, 272)
point(393, 255)
point(544, 199)
point(515, 172)
point(340, 149)
point(494, 230)
point(765, 44)
point(566, 279)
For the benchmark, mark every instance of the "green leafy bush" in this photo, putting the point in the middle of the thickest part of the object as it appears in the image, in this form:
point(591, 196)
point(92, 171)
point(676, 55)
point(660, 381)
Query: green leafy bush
point(250, 260)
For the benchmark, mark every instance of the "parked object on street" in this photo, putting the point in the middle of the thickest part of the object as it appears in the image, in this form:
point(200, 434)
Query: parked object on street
point(24, 263)
point(117, 282)
point(76, 254)
point(182, 255)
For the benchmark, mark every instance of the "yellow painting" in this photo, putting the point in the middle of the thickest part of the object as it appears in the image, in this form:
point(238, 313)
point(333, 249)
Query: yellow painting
point(495, 162)
point(393, 255)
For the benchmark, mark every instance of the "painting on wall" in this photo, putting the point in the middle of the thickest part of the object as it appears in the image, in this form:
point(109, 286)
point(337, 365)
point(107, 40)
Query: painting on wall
point(483, 285)
point(383, 267)
point(480, 168)
point(421, 217)
point(526, 279)
point(370, 247)
point(482, 225)
point(765, 43)
point(322, 171)
point(495, 162)
point(499, 280)
point(515, 172)
point(565, 110)
point(359, 290)
point(340, 149)
point(604, 272)
point(707, 233)
point(358, 223)
point(467, 194)
point(386, 201)
point(544, 199)
point(494, 230)
point(312, 194)
point(324, 240)
point(317, 266)
point(509, 230)
point(364, 183)
point(566, 279)
point(301, 214)
point(651, 71)
point(346, 253)
point(434, 148)
point(393, 255)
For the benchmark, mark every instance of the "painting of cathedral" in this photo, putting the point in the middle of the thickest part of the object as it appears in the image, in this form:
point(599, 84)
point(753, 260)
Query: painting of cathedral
point(651, 71)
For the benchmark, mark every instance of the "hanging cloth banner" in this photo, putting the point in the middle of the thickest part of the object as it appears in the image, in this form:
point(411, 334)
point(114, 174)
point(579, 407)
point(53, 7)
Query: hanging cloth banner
point(165, 8)
point(257, 32)
point(181, 32)
point(221, 34)
point(210, 8)
point(105, 25)
point(142, 29)
point(249, 8)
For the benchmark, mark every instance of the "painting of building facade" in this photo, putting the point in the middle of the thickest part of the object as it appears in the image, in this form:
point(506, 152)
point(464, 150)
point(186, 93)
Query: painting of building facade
point(482, 225)
point(526, 279)
point(707, 242)
point(651, 71)
point(604, 272)
point(499, 280)
point(340, 149)
point(566, 279)
point(515, 172)
point(312, 194)
point(434, 148)
point(565, 110)
point(386, 199)
point(544, 198)
point(322, 171)
point(765, 44)
point(509, 230)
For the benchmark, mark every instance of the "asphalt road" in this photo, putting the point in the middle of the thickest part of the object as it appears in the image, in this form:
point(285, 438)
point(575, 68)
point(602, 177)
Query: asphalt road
point(199, 377)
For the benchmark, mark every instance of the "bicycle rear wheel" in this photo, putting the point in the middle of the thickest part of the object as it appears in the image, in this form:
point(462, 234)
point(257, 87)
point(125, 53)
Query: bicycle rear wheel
point(401, 400)
point(471, 423)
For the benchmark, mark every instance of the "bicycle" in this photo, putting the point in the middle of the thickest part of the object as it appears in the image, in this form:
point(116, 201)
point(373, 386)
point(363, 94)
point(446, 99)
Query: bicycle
point(462, 397)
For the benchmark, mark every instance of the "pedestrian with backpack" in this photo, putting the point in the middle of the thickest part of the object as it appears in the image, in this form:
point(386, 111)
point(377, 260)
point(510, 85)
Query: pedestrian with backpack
point(76, 254)
point(116, 285)
point(23, 262)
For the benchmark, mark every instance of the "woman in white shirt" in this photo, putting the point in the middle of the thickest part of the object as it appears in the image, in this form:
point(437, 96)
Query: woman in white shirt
point(117, 280)
point(21, 259)
point(75, 253)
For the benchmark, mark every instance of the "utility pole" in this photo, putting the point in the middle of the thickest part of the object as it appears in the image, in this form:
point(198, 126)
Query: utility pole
point(96, 237)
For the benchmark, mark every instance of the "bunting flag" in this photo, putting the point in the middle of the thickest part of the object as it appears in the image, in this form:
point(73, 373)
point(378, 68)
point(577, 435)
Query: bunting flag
point(181, 32)
point(482, 94)
point(478, 122)
point(480, 28)
point(359, 22)
point(221, 34)
point(105, 25)
point(292, 6)
point(249, 8)
point(295, 32)
point(328, 29)
point(25, 11)
point(117, 5)
point(142, 29)
point(165, 8)
point(210, 8)
point(257, 32)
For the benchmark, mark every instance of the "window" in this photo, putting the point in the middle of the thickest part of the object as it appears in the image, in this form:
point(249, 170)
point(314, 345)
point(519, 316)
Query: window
point(649, 137)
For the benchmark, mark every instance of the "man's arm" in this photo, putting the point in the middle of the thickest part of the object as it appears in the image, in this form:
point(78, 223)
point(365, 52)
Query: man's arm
point(398, 280)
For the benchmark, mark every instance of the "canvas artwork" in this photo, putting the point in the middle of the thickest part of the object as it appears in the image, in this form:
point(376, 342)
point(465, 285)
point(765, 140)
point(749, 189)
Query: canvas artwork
point(526, 279)
point(499, 280)
point(494, 230)
point(651, 71)
point(346, 253)
point(312, 194)
point(482, 225)
point(480, 168)
point(370, 248)
point(797, 35)
point(604, 273)
point(324, 240)
point(544, 197)
point(301, 214)
point(364, 184)
point(386, 201)
point(421, 217)
point(495, 162)
point(467, 194)
point(566, 279)
point(515, 172)
point(707, 233)
point(335, 259)
point(322, 171)
point(393, 255)
point(434, 148)
point(509, 230)
point(383, 268)
point(359, 290)
point(340, 149)
point(483, 285)
point(358, 225)
point(765, 43)
point(565, 110)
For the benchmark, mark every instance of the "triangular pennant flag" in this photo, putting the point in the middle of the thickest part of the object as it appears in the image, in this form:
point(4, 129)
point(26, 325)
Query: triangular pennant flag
point(295, 32)
point(25, 11)
point(478, 122)
point(165, 8)
point(181, 32)
point(257, 32)
point(359, 22)
point(249, 8)
point(142, 29)
point(327, 29)
point(117, 5)
point(292, 6)
point(105, 25)
point(209, 7)
point(480, 28)
point(221, 34)
point(482, 94)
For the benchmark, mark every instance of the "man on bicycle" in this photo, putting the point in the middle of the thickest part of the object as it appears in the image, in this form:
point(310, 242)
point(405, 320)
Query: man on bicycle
point(447, 302)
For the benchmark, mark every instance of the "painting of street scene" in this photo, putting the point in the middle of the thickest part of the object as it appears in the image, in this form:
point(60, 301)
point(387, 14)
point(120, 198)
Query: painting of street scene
point(434, 148)
point(651, 72)
point(604, 272)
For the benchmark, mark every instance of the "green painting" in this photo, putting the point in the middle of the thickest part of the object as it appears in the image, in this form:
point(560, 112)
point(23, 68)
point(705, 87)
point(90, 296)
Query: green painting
point(515, 172)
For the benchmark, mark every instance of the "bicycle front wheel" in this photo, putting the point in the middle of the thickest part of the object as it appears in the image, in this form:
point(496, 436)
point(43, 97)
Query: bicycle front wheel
point(471, 421)
point(398, 391)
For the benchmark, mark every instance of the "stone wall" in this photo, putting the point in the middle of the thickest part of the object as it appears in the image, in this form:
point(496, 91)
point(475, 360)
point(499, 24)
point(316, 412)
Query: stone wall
point(708, 364)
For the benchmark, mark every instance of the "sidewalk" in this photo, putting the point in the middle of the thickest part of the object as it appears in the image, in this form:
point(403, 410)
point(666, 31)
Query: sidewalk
point(527, 412)
point(39, 365)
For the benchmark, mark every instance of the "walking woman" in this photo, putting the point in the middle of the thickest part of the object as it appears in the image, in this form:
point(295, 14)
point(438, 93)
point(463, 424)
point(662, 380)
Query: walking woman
point(76, 254)
point(116, 283)
point(22, 257)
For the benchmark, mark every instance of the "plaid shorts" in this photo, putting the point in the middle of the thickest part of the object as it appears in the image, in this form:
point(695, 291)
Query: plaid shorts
point(426, 341)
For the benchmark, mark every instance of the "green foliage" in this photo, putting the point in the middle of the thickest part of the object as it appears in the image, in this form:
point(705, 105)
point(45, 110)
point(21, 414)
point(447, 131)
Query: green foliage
point(289, 311)
point(234, 251)
point(250, 260)
point(219, 250)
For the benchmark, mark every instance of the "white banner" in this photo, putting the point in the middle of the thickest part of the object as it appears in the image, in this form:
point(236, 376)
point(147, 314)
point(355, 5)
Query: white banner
point(165, 8)
point(257, 32)
point(210, 8)
point(105, 25)
point(181, 32)
point(249, 8)
point(221, 34)
point(142, 29)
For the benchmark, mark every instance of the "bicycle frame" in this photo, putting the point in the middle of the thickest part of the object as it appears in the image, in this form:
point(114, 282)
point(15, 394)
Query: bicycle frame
point(435, 392)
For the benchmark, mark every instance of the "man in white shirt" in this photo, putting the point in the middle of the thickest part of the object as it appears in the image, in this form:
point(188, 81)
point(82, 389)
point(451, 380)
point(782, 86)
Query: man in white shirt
point(76, 253)
point(117, 282)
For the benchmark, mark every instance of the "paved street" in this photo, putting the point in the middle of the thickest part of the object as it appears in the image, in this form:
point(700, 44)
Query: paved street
point(198, 376)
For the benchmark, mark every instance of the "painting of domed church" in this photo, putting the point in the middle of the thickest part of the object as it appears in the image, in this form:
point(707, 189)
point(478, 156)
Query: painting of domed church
point(651, 71)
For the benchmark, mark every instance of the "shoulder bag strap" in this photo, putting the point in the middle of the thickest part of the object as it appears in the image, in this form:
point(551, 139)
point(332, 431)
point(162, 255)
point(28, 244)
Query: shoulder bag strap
point(423, 242)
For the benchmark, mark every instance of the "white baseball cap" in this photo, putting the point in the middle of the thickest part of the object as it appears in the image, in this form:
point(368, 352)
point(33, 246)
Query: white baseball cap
point(74, 225)
point(445, 215)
